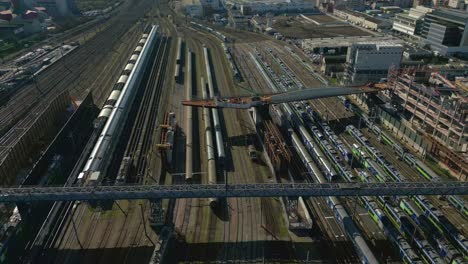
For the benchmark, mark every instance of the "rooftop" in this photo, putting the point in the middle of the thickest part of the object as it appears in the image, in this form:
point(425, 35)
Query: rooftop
point(366, 17)
point(348, 41)
point(380, 44)
point(266, 2)
point(190, 2)
point(456, 16)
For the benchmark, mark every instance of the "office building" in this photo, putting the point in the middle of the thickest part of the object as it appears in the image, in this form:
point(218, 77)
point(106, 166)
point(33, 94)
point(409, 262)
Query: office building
point(446, 31)
point(411, 23)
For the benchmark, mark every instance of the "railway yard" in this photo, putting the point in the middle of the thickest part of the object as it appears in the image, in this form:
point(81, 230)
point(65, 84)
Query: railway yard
point(138, 66)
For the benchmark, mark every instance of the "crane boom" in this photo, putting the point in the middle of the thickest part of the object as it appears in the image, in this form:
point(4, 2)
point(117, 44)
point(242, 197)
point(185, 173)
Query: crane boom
point(245, 102)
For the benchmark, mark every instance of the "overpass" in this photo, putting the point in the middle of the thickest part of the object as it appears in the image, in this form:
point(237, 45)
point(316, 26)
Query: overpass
point(135, 192)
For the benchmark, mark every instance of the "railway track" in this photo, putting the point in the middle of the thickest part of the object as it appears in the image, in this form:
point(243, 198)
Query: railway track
point(75, 71)
point(131, 235)
point(142, 133)
point(246, 221)
point(343, 250)
point(98, 232)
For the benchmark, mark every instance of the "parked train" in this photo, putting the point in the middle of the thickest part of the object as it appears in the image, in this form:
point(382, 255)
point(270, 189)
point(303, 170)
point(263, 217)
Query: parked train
point(218, 34)
point(215, 112)
point(408, 230)
point(178, 74)
point(442, 223)
point(340, 212)
point(115, 111)
point(435, 236)
point(426, 172)
point(406, 252)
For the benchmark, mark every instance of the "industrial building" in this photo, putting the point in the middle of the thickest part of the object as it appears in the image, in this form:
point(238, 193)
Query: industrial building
point(57, 8)
point(370, 61)
point(271, 6)
point(339, 45)
point(411, 23)
point(355, 4)
point(434, 105)
point(446, 31)
point(199, 8)
point(193, 8)
point(362, 20)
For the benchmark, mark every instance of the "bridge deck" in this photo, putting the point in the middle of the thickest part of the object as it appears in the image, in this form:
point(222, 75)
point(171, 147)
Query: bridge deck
point(129, 192)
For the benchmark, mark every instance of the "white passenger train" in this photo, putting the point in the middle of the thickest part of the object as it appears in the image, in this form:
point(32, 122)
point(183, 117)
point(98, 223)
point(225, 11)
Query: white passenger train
point(116, 109)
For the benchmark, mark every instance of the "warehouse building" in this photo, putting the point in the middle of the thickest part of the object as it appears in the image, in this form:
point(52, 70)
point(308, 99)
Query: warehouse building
point(200, 8)
point(253, 7)
point(362, 19)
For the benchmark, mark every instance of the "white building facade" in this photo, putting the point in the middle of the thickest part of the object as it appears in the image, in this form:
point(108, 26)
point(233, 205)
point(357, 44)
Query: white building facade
point(411, 23)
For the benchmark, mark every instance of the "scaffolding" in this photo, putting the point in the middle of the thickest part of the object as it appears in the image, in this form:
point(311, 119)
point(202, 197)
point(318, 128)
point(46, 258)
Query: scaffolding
point(438, 110)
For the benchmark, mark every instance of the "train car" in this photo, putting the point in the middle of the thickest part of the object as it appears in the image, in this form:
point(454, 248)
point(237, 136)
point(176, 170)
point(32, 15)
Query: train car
point(409, 159)
point(179, 51)
point(442, 223)
point(215, 112)
point(124, 169)
point(372, 208)
point(345, 152)
point(399, 150)
point(435, 237)
point(364, 176)
point(377, 171)
point(386, 138)
point(113, 116)
point(394, 173)
point(406, 252)
point(426, 172)
point(341, 214)
point(177, 74)
point(329, 171)
point(458, 203)
point(307, 160)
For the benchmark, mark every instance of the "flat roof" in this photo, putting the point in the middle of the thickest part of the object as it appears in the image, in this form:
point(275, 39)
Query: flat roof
point(348, 41)
point(381, 43)
point(365, 16)
point(266, 2)
point(191, 2)
point(452, 15)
